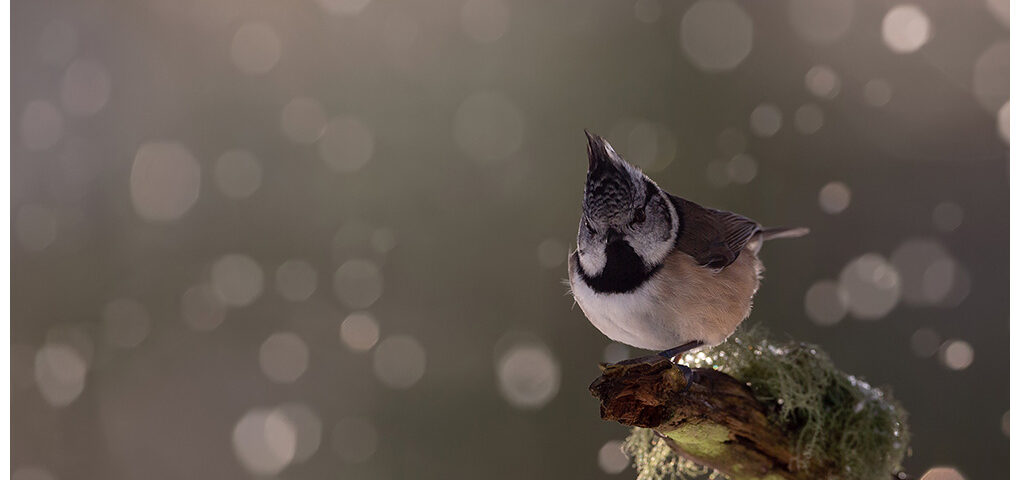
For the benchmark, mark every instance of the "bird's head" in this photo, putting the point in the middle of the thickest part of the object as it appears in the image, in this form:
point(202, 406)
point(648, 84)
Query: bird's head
point(623, 211)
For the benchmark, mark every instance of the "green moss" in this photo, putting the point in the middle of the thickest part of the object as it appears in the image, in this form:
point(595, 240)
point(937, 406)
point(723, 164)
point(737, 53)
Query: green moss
point(654, 459)
point(839, 420)
point(702, 439)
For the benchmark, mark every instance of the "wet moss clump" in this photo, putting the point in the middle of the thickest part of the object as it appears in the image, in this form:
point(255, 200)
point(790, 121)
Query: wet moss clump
point(839, 422)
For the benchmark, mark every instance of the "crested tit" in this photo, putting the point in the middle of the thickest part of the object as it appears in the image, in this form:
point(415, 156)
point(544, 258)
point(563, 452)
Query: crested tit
point(656, 271)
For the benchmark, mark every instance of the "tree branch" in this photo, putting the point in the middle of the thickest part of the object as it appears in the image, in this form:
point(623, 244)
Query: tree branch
point(716, 421)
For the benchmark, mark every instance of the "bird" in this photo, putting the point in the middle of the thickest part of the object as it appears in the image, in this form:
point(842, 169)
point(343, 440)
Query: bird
point(656, 271)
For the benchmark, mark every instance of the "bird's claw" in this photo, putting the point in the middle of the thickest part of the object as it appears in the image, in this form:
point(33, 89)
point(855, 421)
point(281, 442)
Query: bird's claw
point(688, 374)
point(686, 371)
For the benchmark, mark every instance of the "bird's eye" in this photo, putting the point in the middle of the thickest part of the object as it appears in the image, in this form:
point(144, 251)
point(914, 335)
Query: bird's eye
point(587, 225)
point(639, 217)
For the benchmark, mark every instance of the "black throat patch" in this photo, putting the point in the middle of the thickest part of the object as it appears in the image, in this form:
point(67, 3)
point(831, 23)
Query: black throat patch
point(624, 271)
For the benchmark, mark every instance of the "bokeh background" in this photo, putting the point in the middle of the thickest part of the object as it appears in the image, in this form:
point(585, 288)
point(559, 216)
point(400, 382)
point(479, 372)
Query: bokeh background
point(326, 238)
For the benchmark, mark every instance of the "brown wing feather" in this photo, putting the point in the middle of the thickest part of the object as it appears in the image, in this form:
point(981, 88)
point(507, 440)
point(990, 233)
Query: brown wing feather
point(714, 238)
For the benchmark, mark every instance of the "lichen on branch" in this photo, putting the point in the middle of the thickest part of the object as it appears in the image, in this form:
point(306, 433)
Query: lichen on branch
point(757, 409)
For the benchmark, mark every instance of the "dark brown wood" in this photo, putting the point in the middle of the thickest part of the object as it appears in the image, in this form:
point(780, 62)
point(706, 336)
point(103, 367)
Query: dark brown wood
point(715, 421)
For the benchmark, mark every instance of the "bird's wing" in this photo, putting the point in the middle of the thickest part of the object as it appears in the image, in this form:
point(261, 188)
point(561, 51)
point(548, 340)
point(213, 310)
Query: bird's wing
point(714, 238)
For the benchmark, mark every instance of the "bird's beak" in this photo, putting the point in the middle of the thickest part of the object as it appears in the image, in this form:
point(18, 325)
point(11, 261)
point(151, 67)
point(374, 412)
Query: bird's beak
point(597, 153)
point(613, 235)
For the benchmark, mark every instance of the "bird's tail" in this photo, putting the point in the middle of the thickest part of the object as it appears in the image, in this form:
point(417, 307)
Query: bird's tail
point(783, 232)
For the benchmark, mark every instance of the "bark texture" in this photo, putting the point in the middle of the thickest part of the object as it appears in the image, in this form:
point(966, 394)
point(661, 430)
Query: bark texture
point(715, 421)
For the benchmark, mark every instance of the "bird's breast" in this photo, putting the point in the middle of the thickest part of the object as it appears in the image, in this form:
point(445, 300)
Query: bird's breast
point(678, 303)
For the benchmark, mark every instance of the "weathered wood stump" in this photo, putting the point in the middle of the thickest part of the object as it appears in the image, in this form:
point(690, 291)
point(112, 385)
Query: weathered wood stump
point(716, 421)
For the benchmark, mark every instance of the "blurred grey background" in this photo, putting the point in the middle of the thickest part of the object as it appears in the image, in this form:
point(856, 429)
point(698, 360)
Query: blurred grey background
point(326, 238)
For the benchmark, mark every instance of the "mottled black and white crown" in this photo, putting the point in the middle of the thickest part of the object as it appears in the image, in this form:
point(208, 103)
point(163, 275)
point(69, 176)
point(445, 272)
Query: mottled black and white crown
point(612, 184)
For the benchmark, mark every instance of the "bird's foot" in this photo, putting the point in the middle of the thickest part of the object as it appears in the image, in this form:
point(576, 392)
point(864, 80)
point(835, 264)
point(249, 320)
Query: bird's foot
point(688, 374)
point(674, 355)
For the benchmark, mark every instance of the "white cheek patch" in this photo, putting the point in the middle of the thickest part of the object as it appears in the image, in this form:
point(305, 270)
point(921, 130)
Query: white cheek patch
point(593, 259)
point(655, 250)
